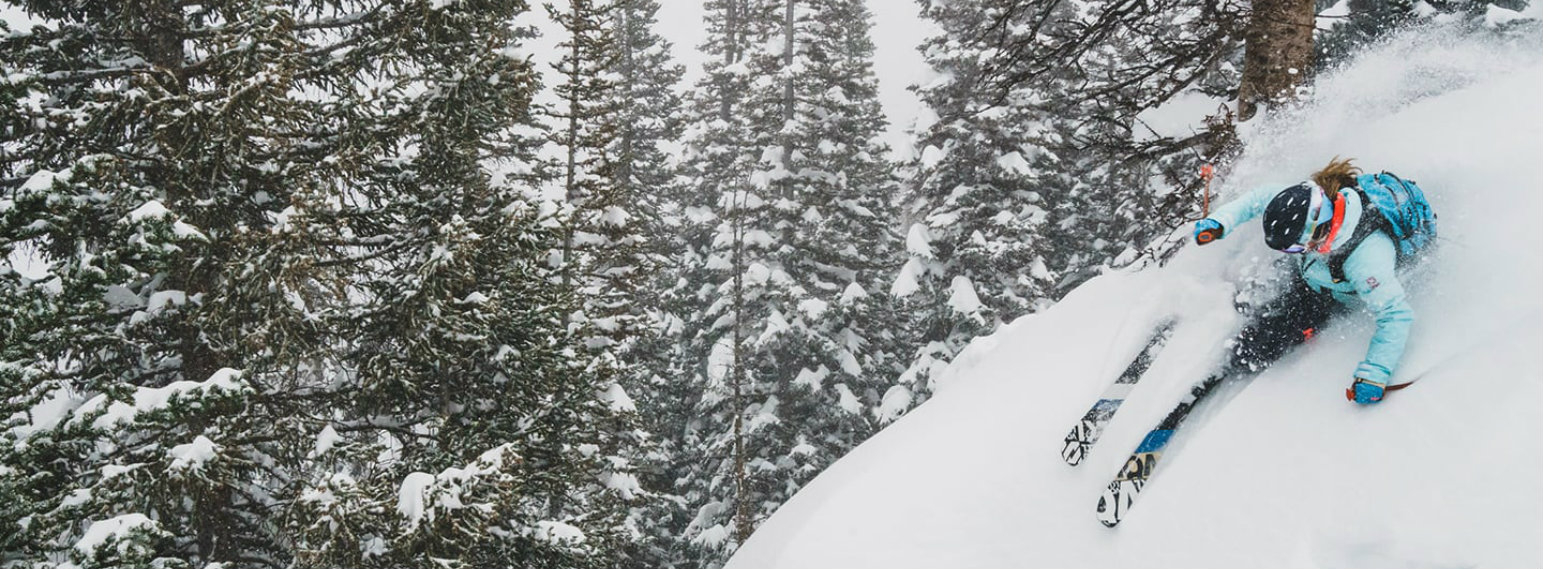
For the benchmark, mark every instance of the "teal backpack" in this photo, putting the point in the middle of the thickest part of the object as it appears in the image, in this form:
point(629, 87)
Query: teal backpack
point(1406, 217)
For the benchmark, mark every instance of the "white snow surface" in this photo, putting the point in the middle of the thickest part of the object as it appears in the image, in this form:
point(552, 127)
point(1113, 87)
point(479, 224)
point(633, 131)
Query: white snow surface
point(151, 210)
point(325, 441)
point(963, 298)
point(99, 532)
point(558, 532)
point(149, 399)
point(192, 456)
point(1281, 470)
point(413, 497)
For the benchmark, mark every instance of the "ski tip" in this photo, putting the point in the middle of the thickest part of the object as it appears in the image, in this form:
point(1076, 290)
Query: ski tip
point(1109, 511)
point(1103, 515)
point(1074, 452)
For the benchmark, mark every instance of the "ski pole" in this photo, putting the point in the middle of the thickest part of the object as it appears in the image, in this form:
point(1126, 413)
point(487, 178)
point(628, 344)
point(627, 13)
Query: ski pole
point(1443, 362)
point(1208, 172)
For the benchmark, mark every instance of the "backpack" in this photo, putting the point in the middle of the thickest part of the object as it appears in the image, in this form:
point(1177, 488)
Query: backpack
point(1406, 217)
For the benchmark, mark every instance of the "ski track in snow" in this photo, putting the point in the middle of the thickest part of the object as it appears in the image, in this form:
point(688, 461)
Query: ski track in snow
point(1280, 471)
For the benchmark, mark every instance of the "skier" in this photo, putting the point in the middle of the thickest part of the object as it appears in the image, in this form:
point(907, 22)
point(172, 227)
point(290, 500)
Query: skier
point(1345, 256)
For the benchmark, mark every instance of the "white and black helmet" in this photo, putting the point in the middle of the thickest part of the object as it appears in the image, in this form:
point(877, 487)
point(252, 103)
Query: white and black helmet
point(1293, 215)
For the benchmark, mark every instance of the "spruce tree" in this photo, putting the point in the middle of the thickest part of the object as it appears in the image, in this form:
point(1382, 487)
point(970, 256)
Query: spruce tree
point(1038, 171)
point(584, 128)
point(979, 200)
point(285, 315)
point(723, 217)
point(640, 261)
point(465, 399)
point(155, 154)
point(830, 352)
point(617, 107)
point(787, 337)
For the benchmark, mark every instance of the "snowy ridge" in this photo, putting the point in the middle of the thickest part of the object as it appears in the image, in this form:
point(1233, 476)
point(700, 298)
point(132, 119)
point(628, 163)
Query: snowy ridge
point(1280, 471)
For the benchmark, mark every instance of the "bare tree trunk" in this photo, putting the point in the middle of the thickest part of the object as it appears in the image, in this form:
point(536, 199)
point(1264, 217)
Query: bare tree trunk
point(733, 28)
point(570, 173)
point(788, 93)
point(742, 516)
point(1277, 54)
point(629, 132)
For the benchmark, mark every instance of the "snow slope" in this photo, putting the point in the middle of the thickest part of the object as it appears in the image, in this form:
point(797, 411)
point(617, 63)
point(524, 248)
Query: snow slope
point(1281, 471)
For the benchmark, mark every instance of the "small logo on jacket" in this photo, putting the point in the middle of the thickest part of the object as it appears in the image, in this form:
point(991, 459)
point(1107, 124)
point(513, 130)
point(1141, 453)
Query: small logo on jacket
point(1372, 284)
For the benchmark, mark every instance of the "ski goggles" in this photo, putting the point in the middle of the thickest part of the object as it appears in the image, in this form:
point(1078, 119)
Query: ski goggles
point(1318, 218)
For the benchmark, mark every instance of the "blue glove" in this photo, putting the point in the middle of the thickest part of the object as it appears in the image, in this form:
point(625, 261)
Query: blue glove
point(1365, 391)
point(1207, 230)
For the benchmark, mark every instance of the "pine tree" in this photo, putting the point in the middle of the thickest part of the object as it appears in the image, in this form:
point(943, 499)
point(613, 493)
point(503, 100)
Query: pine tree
point(786, 338)
point(644, 175)
point(466, 399)
point(1037, 172)
point(153, 154)
point(584, 128)
point(288, 318)
point(642, 254)
point(617, 107)
point(734, 212)
point(980, 199)
point(829, 351)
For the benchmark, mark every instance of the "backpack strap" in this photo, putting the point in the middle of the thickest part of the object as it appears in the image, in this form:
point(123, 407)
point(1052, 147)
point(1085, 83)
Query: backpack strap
point(1371, 221)
point(1395, 177)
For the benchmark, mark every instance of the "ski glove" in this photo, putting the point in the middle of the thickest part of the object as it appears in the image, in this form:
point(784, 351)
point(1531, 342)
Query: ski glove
point(1207, 230)
point(1365, 391)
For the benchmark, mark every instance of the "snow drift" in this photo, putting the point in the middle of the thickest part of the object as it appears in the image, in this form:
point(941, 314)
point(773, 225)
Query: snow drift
point(1280, 471)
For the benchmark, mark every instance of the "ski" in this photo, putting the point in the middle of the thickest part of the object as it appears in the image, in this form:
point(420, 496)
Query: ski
point(1091, 427)
point(1133, 476)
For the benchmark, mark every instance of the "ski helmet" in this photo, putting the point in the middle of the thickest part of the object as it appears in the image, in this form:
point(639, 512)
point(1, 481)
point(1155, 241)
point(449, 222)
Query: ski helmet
point(1293, 215)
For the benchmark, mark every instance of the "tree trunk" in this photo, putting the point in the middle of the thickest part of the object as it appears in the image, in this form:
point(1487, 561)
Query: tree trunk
point(1277, 54)
point(743, 518)
point(788, 93)
point(570, 173)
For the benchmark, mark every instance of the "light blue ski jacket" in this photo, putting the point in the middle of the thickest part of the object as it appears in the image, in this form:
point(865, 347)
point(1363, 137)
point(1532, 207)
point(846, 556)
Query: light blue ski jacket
point(1370, 277)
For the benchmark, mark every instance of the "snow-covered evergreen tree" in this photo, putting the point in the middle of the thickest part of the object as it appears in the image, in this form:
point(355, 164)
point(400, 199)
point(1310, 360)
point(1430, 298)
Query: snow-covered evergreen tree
point(785, 337)
point(725, 236)
point(282, 314)
point(643, 254)
point(584, 125)
point(155, 155)
point(617, 110)
point(829, 348)
point(1346, 26)
point(1035, 172)
point(979, 198)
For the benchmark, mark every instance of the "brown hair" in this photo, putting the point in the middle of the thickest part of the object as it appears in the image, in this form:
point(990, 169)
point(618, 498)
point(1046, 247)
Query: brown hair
point(1338, 174)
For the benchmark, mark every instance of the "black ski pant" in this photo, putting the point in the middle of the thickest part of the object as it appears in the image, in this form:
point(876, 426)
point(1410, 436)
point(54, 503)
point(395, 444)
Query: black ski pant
point(1280, 325)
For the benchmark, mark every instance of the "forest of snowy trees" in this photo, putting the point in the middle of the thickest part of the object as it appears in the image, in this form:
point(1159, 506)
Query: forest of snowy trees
point(355, 283)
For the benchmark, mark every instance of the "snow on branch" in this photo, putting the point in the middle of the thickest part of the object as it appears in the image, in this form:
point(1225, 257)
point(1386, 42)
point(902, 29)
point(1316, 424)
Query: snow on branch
point(151, 399)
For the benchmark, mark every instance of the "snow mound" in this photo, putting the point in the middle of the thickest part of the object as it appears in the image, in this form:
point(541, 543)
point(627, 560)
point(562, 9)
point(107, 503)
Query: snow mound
point(1280, 471)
